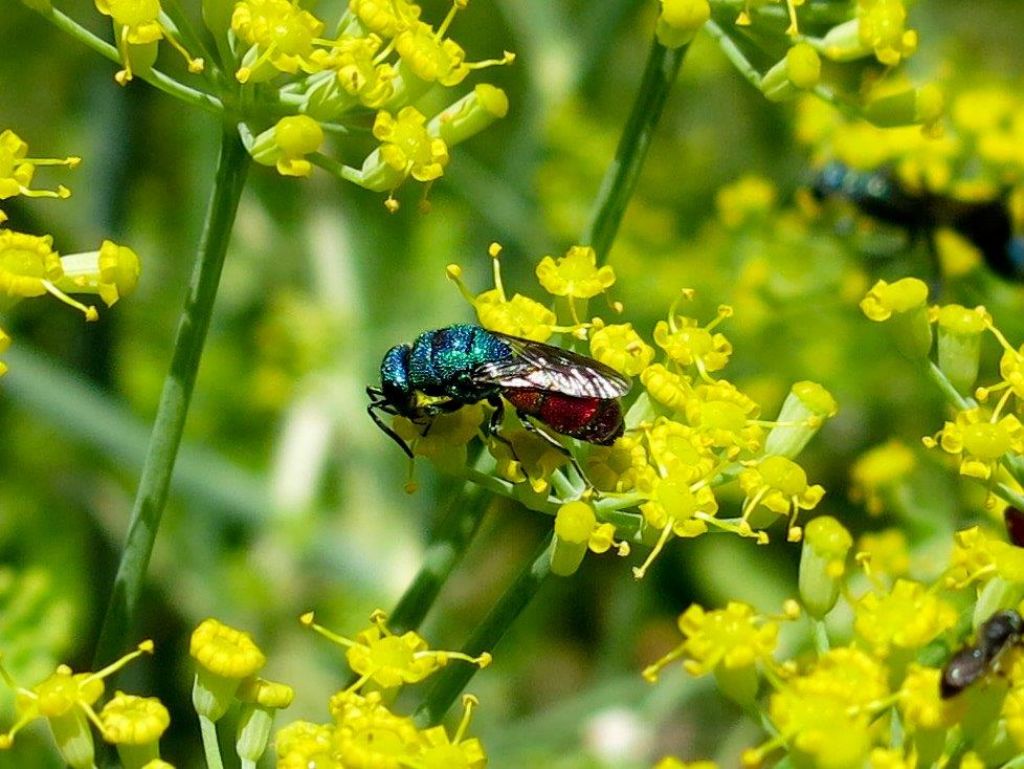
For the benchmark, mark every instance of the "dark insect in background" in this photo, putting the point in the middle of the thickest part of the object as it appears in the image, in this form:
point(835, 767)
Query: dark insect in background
point(996, 634)
point(448, 368)
point(987, 224)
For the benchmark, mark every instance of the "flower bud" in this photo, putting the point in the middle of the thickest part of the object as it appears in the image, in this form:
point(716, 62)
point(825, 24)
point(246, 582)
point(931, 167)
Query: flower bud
point(260, 699)
point(224, 658)
point(574, 523)
point(914, 105)
point(799, 70)
point(905, 304)
point(806, 408)
point(680, 20)
point(960, 332)
point(842, 43)
point(822, 563)
point(469, 115)
point(287, 143)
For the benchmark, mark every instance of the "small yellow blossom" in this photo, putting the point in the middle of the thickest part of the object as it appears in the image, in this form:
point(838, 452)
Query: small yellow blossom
point(29, 267)
point(367, 734)
point(575, 275)
point(131, 720)
point(576, 531)
point(447, 437)
point(980, 440)
point(407, 147)
point(443, 752)
point(17, 169)
point(680, 449)
point(389, 660)
point(780, 485)
point(280, 36)
point(920, 703)
point(618, 467)
point(877, 471)
point(885, 299)
point(674, 506)
point(822, 564)
point(884, 552)
point(690, 344)
point(430, 56)
point(224, 657)
point(359, 74)
point(749, 199)
point(620, 347)
point(525, 457)
point(680, 20)
point(666, 386)
point(287, 143)
point(137, 24)
point(882, 28)
point(726, 416)
point(65, 699)
point(385, 17)
point(112, 272)
point(973, 557)
point(906, 618)
point(301, 744)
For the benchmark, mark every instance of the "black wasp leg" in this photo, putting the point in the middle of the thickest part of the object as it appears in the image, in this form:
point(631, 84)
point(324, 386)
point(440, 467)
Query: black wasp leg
point(531, 427)
point(372, 411)
point(493, 428)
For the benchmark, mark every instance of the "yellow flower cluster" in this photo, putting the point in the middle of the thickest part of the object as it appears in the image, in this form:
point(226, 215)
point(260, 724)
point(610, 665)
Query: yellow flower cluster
point(364, 731)
point(686, 433)
point(66, 701)
point(871, 700)
point(988, 442)
point(30, 267)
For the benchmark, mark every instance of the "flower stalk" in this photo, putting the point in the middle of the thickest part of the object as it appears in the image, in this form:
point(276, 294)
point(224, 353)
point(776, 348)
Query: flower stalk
point(165, 439)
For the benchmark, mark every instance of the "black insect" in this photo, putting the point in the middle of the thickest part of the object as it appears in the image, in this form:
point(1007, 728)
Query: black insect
point(451, 367)
point(997, 634)
point(879, 194)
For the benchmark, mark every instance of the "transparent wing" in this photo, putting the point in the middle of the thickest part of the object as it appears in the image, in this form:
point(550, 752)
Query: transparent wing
point(537, 366)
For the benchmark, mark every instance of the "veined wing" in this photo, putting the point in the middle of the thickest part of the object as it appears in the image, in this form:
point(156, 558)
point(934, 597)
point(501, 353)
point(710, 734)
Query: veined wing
point(537, 366)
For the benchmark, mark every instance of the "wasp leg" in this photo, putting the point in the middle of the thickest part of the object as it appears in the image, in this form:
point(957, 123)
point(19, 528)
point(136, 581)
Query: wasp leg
point(528, 425)
point(493, 428)
point(372, 410)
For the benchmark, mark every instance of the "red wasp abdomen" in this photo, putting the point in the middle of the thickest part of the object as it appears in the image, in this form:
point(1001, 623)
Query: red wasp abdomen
point(595, 420)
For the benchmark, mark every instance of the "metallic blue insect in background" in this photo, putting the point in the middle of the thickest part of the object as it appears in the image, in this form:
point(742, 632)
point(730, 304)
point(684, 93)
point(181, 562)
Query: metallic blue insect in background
point(986, 224)
point(452, 367)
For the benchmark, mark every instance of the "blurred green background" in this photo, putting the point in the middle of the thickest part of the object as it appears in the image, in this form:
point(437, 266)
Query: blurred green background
point(287, 498)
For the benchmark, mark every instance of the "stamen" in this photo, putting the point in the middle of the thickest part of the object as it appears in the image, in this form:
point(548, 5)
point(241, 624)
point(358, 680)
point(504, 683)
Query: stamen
point(89, 310)
point(640, 571)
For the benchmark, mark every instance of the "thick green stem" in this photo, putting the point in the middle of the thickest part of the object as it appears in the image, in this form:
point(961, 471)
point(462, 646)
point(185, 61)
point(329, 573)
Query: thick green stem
point(174, 400)
point(451, 681)
point(445, 550)
point(621, 178)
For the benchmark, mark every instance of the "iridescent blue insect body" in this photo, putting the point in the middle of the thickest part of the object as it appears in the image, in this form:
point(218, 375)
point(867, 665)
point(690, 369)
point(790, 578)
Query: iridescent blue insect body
point(986, 224)
point(451, 367)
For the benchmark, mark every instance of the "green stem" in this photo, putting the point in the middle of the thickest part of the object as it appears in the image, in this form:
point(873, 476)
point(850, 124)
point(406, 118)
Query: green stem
point(174, 400)
point(450, 681)
point(154, 77)
point(621, 178)
point(445, 550)
point(211, 748)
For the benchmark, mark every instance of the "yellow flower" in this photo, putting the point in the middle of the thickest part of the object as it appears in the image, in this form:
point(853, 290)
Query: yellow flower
point(112, 272)
point(443, 752)
point(673, 506)
point(17, 169)
point(29, 267)
point(680, 450)
point(137, 23)
point(65, 699)
point(618, 467)
point(885, 299)
point(519, 316)
point(726, 416)
point(751, 198)
point(980, 441)
point(973, 557)
point(882, 27)
point(620, 347)
point(135, 725)
point(734, 637)
point(301, 744)
point(822, 564)
point(280, 36)
point(377, 655)
point(780, 485)
point(884, 552)
point(525, 457)
point(359, 74)
point(906, 618)
point(261, 699)
point(575, 275)
point(224, 657)
point(407, 147)
point(920, 703)
point(576, 531)
point(690, 344)
point(666, 386)
point(385, 17)
point(446, 440)
point(430, 56)
point(367, 734)
point(680, 20)
point(877, 471)
point(286, 144)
